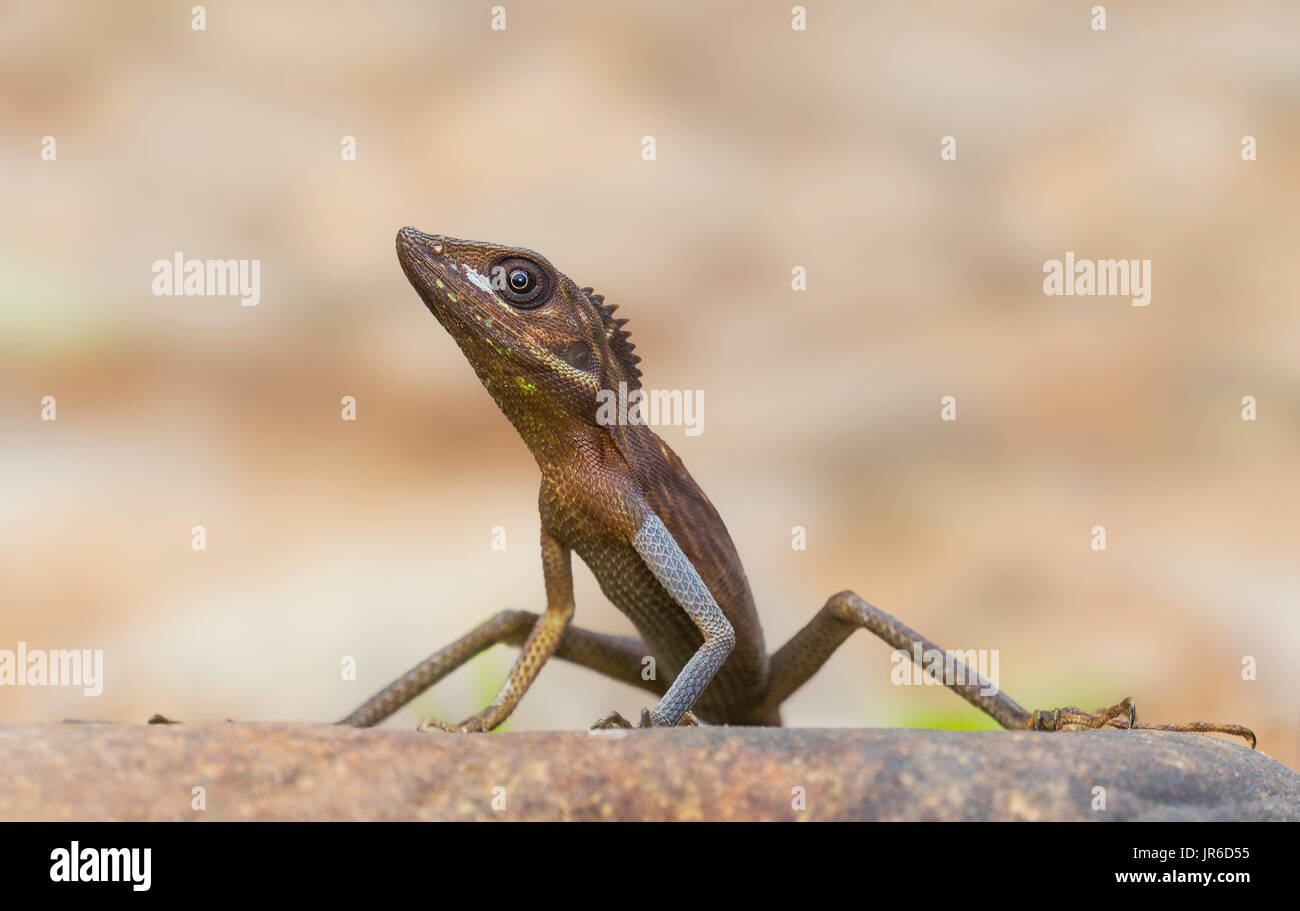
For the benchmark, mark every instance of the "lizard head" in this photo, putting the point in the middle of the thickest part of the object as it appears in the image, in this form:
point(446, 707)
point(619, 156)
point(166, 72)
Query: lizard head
point(542, 346)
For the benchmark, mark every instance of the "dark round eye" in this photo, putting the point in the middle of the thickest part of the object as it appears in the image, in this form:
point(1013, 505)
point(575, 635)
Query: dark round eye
point(521, 282)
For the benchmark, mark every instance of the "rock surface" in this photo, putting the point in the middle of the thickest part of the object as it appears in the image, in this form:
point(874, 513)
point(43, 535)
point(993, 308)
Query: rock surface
point(316, 772)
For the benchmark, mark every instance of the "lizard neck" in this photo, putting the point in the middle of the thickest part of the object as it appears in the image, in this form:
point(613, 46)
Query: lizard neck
point(556, 440)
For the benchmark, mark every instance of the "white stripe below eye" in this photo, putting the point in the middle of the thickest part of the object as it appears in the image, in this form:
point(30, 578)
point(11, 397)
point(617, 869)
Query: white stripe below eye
point(480, 280)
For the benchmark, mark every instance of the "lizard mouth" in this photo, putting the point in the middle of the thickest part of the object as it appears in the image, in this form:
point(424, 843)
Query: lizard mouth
point(419, 255)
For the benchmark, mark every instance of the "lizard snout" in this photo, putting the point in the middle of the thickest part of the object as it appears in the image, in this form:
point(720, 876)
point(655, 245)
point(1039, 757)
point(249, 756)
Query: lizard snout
point(409, 239)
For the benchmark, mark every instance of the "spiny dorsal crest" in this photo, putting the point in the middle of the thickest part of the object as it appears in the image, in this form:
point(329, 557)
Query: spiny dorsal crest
point(619, 343)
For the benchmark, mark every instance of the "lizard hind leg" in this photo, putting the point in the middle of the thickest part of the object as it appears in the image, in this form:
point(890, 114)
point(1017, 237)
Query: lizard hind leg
point(843, 614)
point(796, 661)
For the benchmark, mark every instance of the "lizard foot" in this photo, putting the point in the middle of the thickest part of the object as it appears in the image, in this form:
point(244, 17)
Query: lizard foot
point(615, 720)
point(469, 726)
point(1123, 715)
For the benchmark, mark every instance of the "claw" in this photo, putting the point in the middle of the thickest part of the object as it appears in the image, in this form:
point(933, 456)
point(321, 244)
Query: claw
point(1073, 719)
point(475, 724)
point(613, 720)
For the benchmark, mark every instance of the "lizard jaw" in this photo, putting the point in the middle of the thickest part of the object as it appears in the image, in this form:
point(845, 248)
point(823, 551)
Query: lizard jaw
point(417, 252)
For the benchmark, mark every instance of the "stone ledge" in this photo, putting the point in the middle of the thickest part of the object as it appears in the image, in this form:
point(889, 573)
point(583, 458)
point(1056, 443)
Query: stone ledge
point(321, 772)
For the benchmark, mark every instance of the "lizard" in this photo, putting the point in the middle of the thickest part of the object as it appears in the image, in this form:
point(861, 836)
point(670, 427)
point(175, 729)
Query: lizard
point(618, 496)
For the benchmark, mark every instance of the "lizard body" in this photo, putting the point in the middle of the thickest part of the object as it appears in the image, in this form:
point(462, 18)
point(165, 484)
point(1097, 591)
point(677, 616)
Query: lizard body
point(618, 496)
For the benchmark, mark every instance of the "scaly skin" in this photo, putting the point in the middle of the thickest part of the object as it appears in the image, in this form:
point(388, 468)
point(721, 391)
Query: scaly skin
point(620, 498)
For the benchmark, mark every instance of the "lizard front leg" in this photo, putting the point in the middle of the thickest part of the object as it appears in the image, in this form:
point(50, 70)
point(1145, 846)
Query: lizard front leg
point(537, 648)
point(670, 566)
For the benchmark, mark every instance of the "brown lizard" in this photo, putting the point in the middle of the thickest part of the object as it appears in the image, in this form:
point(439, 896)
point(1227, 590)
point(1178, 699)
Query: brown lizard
point(618, 496)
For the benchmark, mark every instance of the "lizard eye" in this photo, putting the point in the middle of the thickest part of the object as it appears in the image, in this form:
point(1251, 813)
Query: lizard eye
point(521, 282)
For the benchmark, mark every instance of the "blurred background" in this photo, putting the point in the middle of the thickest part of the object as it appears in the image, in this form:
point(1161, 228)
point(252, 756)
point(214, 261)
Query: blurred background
point(775, 148)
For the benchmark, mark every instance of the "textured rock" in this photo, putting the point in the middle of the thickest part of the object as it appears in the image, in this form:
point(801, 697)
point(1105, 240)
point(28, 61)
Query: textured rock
point(299, 771)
